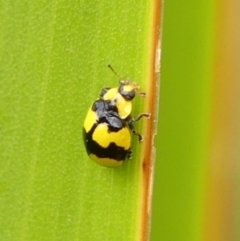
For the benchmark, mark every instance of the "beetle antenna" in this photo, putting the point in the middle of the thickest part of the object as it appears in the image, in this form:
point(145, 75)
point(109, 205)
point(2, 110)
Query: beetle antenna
point(110, 67)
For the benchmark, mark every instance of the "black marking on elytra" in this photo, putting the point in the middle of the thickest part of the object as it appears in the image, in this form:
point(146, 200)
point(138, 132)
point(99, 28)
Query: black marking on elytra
point(112, 151)
point(104, 91)
point(107, 113)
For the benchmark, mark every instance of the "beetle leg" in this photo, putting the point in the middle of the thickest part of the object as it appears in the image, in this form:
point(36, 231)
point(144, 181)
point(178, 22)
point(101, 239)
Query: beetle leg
point(133, 120)
point(142, 94)
point(129, 155)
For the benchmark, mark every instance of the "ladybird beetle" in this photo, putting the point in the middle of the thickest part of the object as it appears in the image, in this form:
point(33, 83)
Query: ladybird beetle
point(108, 125)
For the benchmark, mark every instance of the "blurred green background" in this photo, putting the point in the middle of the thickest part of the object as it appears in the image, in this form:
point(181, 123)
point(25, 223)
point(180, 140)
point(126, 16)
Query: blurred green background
point(187, 55)
point(196, 188)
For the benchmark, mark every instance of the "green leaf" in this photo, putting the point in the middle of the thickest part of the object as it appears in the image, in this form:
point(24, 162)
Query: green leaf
point(53, 62)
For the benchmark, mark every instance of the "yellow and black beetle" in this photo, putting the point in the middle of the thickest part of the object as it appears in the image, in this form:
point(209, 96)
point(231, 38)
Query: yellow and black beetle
point(107, 126)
